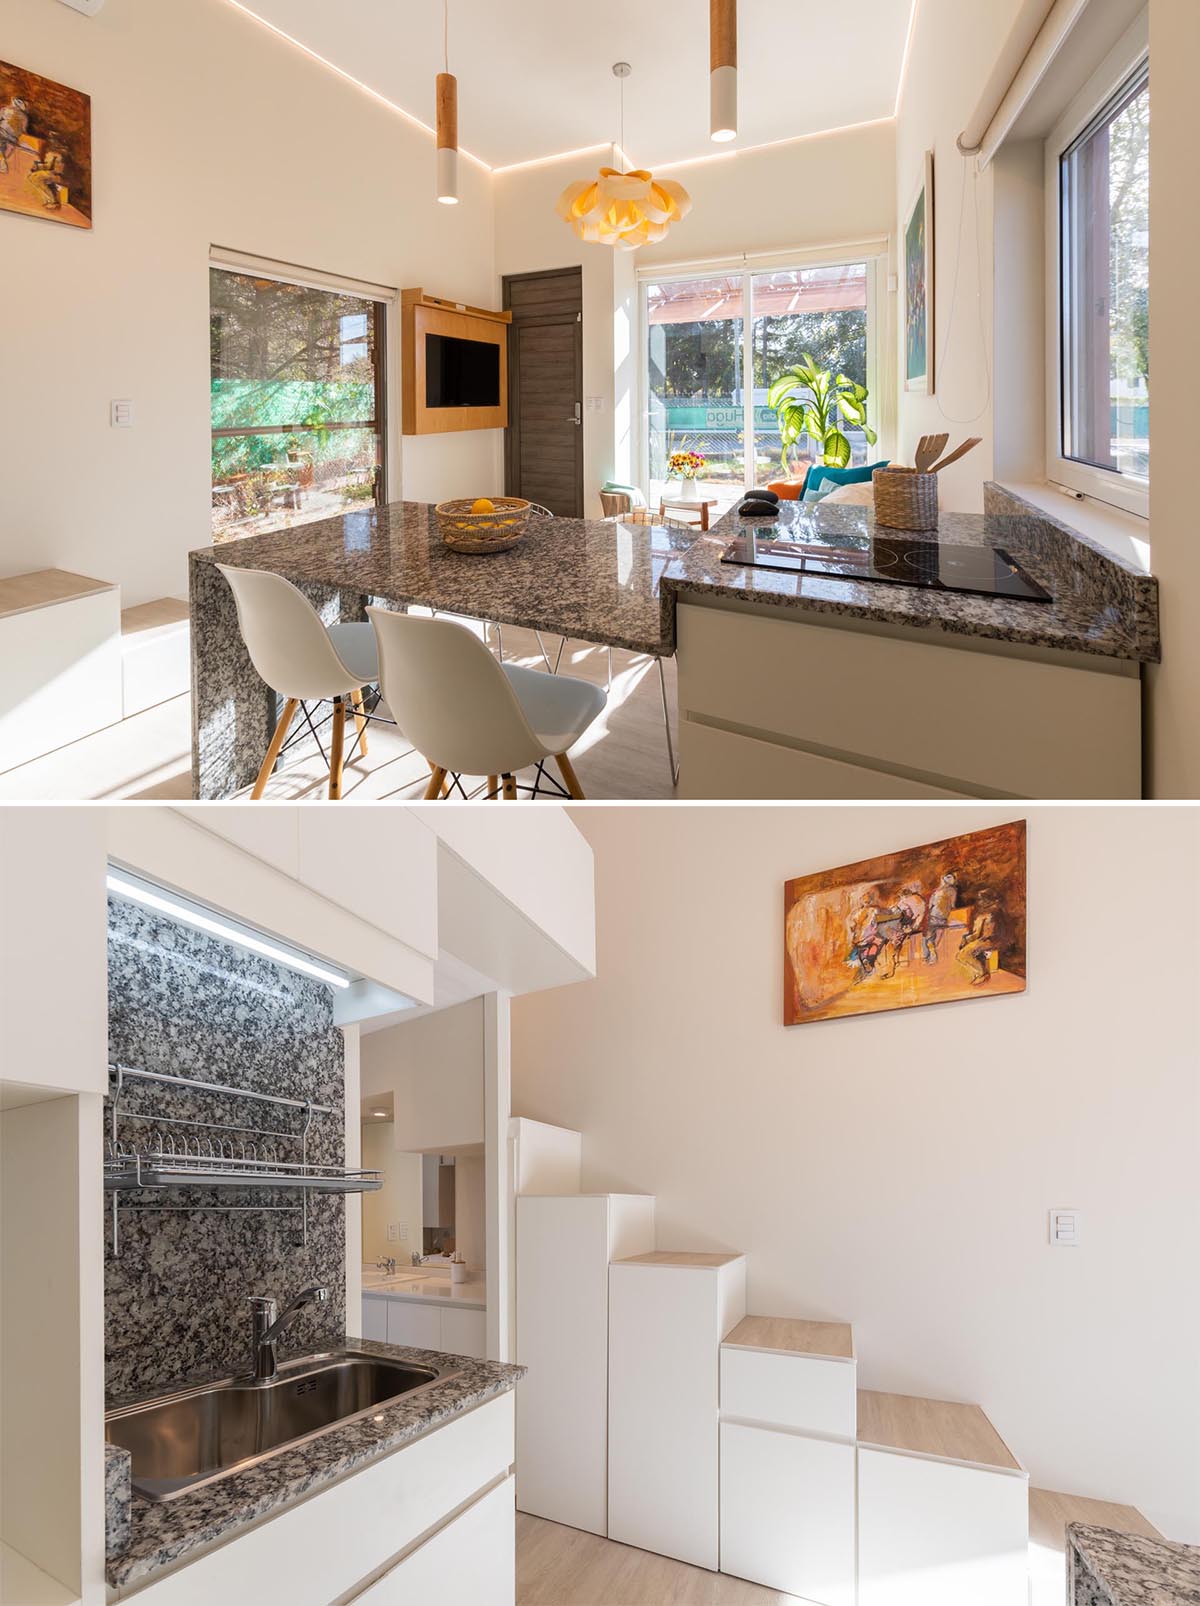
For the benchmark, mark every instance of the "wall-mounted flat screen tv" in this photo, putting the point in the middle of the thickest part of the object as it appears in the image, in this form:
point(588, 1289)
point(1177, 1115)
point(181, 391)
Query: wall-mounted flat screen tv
point(461, 373)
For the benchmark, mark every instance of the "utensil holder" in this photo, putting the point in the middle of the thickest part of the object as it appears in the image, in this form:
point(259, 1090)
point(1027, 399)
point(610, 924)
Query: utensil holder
point(905, 501)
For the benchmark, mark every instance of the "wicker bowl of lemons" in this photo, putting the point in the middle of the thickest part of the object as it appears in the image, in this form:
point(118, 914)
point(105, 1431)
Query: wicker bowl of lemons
point(488, 524)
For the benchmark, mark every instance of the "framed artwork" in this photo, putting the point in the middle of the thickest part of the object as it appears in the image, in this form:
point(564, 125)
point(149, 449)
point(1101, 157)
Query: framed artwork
point(918, 286)
point(928, 925)
point(45, 148)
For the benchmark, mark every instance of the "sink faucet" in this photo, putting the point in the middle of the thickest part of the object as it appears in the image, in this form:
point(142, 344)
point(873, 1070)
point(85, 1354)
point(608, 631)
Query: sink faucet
point(386, 1263)
point(269, 1321)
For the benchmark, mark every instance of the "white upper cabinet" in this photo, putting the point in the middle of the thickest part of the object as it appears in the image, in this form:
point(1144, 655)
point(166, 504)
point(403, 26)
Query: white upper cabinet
point(269, 834)
point(380, 864)
point(53, 949)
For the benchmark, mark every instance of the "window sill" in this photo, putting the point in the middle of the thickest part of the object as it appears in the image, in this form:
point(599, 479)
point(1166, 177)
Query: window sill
point(1123, 534)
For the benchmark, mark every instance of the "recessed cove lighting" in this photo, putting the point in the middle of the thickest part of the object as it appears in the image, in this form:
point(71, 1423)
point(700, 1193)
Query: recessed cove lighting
point(187, 914)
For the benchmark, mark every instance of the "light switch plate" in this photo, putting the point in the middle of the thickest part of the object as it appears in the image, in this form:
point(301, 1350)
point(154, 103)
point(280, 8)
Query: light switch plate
point(1064, 1229)
point(393, 1232)
point(120, 414)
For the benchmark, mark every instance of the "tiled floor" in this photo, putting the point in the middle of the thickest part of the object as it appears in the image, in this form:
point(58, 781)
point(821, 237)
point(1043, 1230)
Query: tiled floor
point(623, 755)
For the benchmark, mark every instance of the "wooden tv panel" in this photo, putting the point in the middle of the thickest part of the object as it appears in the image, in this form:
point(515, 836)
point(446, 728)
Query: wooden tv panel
point(429, 315)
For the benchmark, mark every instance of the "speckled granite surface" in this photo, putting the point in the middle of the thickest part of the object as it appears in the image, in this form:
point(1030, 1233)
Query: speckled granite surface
point(1106, 1568)
point(175, 1298)
point(118, 1498)
point(619, 584)
point(165, 1533)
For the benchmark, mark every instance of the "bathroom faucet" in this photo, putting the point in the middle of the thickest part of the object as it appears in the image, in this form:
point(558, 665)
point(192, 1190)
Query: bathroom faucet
point(386, 1263)
point(269, 1321)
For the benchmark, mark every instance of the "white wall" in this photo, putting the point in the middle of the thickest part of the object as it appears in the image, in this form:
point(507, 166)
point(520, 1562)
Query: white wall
point(207, 129)
point(896, 1170)
point(399, 1200)
point(433, 1067)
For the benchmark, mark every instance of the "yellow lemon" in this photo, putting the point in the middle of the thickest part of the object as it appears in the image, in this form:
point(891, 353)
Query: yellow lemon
point(481, 504)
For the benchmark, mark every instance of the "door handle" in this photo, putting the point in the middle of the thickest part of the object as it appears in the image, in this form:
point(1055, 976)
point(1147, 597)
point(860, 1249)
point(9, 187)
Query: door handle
point(578, 418)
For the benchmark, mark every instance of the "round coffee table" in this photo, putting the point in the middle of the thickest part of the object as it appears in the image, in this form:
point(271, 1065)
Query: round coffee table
point(683, 504)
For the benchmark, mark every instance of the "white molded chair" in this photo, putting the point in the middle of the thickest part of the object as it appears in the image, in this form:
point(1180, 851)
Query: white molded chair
point(304, 661)
point(469, 714)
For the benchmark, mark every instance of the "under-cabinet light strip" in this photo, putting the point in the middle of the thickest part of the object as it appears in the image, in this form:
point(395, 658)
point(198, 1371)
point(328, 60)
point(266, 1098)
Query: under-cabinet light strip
point(189, 916)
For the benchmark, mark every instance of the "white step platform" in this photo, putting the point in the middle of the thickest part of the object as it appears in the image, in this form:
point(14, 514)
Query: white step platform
point(155, 654)
point(943, 1506)
point(60, 661)
point(788, 1408)
point(668, 1313)
point(564, 1246)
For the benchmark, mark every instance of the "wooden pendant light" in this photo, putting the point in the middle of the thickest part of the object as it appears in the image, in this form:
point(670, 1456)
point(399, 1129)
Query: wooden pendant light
point(447, 123)
point(722, 77)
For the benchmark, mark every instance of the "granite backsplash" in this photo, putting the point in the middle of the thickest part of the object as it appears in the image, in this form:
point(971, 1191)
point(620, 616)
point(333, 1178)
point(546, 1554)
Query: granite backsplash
point(184, 1003)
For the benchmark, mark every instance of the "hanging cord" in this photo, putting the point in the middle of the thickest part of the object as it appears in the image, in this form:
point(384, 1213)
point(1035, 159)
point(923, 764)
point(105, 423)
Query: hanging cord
point(951, 418)
point(621, 146)
point(446, 35)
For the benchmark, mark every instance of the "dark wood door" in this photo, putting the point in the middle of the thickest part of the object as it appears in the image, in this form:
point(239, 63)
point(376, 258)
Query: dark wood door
point(543, 457)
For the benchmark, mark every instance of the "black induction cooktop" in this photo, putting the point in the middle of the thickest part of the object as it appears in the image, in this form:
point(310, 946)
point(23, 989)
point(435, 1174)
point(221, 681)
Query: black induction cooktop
point(980, 571)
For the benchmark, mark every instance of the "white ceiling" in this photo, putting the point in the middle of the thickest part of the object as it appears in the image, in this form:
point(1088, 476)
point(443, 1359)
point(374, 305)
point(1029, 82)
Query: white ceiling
point(535, 75)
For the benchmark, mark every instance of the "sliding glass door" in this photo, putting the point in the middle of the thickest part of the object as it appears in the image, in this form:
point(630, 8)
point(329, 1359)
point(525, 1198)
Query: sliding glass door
point(298, 403)
point(715, 345)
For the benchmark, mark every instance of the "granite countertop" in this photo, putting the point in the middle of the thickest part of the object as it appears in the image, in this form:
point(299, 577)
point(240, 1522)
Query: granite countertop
point(1108, 1568)
point(428, 1290)
point(618, 583)
point(164, 1533)
point(1100, 606)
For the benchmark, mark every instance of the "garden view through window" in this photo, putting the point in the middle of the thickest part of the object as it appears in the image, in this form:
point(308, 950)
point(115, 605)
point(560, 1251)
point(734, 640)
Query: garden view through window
point(297, 404)
point(1105, 194)
point(716, 345)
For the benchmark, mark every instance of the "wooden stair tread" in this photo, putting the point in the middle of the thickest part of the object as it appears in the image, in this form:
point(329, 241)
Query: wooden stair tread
point(153, 615)
point(679, 1257)
point(932, 1427)
point(793, 1336)
point(42, 587)
point(1050, 1512)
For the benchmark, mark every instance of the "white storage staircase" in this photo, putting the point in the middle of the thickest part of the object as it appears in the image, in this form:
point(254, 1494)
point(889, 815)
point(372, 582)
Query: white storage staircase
point(658, 1413)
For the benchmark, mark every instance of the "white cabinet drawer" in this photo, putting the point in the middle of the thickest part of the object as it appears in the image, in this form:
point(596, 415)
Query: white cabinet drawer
point(787, 1513)
point(374, 1319)
point(931, 1533)
point(464, 1332)
point(809, 1393)
point(418, 1325)
point(469, 1562)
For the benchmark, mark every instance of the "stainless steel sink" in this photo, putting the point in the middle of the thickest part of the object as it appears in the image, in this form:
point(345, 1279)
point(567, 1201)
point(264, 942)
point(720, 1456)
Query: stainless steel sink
point(198, 1435)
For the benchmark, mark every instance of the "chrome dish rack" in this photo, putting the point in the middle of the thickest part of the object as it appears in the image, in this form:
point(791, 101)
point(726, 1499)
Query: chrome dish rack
point(219, 1154)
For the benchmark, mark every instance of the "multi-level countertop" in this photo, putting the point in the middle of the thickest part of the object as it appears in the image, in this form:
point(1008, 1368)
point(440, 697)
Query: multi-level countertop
point(161, 1534)
point(1107, 1568)
point(425, 1288)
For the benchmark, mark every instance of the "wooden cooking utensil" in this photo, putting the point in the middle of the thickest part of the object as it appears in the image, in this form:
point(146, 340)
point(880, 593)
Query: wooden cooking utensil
point(967, 446)
point(929, 449)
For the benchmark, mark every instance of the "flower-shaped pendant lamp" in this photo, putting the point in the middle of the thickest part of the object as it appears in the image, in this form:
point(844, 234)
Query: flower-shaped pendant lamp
point(624, 210)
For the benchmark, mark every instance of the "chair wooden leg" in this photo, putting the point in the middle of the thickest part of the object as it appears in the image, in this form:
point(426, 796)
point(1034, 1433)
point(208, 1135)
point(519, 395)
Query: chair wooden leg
point(493, 790)
point(569, 776)
point(437, 779)
point(277, 740)
point(337, 744)
point(360, 723)
point(510, 789)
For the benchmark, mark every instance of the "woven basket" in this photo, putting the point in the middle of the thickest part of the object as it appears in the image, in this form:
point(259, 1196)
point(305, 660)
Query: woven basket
point(905, 501)
point(464, 531)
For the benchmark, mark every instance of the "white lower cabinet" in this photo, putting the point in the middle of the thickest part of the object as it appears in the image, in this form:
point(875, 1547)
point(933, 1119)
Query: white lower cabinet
point(934, 1533)
point(438, 1327)
point(787, 1512)
point(470, 1562)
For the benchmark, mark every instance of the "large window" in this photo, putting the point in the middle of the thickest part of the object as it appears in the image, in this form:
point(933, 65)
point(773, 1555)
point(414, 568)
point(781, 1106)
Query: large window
point(297, 403)
point(1101, 414)
point(715, 345)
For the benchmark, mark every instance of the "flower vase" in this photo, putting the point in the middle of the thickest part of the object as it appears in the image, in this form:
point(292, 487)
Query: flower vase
point(689, 491)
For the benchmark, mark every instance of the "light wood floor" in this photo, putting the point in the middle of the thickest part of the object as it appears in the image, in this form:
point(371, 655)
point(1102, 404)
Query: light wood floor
point(559, 1566)
point(623, 755)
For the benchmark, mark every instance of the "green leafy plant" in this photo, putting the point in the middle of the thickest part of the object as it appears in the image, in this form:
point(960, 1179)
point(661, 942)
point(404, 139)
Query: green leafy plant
point(808, 400)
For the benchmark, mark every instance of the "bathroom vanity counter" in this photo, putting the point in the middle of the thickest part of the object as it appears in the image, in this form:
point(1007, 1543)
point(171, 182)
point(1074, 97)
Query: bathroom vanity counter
point(456, 1442)
point(1107, 1568)
point(425, 1288)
